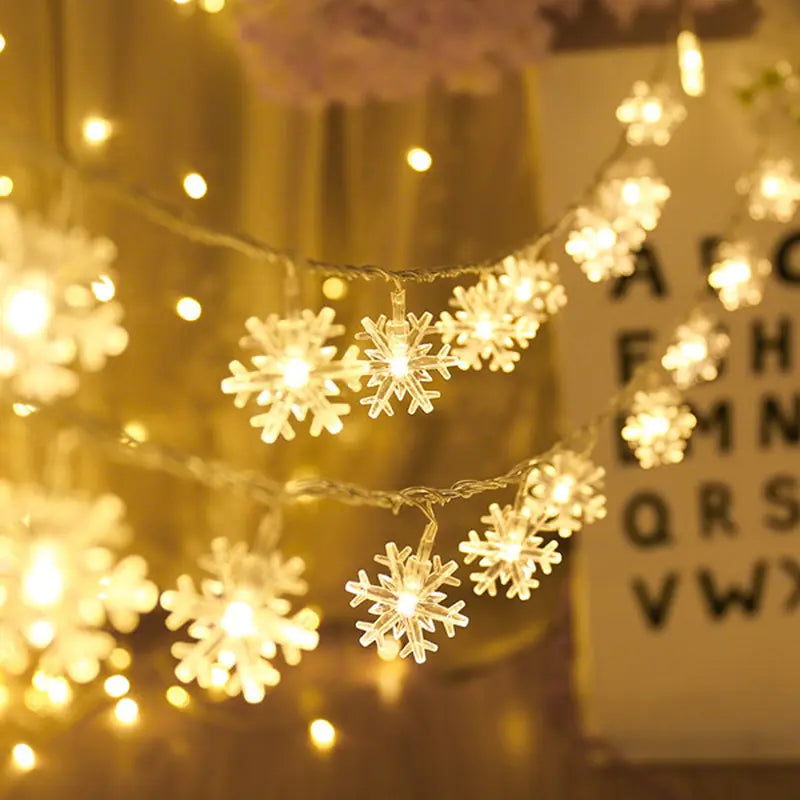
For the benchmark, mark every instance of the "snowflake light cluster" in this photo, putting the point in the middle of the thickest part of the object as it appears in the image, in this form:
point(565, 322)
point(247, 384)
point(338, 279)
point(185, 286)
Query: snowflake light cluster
point(484, 328)
point(651, 114)
point(567, 489)
point(509, 552)
point(408, 601)
point(658, 427)
point(61, 581)
point(772, 190)
point(295, 373)
point(697, 350)
point(535, 286)
point(739, 275)
point(56, 305)
point(603, 244)
point(239, 619)
point(634, 192)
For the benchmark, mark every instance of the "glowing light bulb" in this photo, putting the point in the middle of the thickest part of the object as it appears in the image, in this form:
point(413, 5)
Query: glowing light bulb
point(43, 583)
point(690, 61)
point(562, 489)
point(651, 111)
point(116, 685)
point(24, 409)
point(195, 186)
point(334, 288)
point(524, 290)
point(189, 309)
point(771, 186)
point(26, 312)
point(136, 431)
point(296, 372)
point(694, 349)
point(419, 159)
point(399, 366)
point(59, 692)
point(238, 619)
point(96, 130)
point(181, 2)
point(389, 650)
point(40, 633)
point(6, 186)
point(212, 6)
point(511, 552)
point(2, 42)
point(219, 677)
point(655, 426)
point(631, 193)
point(126, 711)
point(104, 289)
point(484, 329)
point(24, 757)
point(733, 272)
point(322, 734)
point(606, 238)
point(178, 697)
point(119, 658)
point(406, 603)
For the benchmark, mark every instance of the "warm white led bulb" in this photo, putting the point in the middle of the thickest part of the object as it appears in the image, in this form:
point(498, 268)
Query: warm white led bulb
point(96, 130)
point(399, 366)
point(238, 619)
point(126, 711)
point(690, 62)
point(418, 159)
point(6, 186)
point(24, 757)
point(484, 329)
point(43, 582)
point(407, 603)
point(40, 633)
point(195, 186)
point(116, 685)
point(296, 372)
point(322, 733)
point(26, 312)
point(652, 111)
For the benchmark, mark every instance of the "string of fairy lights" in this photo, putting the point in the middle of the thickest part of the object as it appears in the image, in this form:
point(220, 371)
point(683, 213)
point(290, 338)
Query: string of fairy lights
point(65, 590)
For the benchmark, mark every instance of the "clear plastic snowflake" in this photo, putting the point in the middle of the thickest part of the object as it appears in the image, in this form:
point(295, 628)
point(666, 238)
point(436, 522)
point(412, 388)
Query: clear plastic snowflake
point(240, 617)
point(484, 328)
point(697, 350)
point(659, 427)
point(772, 190)
point(55, 305)
point(295, 373)
point(739, 275)
point(603, 244)
point(535, 287)
point(650, 114)
point(400, 363)
point(634, 192)
point(408, 602)
point(60, 581)
point(509, 552)
point(568, 490)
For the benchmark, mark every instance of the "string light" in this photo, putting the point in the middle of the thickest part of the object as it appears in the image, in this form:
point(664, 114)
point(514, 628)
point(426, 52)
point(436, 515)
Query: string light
point(650, 114)
point(119, 658)
point(697, 350)
point(772, 190)
point(419, 159)
point(126, 711)
point(116, 685)
point(178, 697)
point(322, 734)
point(96, 130)
point(634, 195)
point(690, 62)
point(739, 275)
point(189, 309)
point(195, 186)
point(23, 756)
point(603, 249)
point(334, 288)
point(104, 289)
point(6, 186)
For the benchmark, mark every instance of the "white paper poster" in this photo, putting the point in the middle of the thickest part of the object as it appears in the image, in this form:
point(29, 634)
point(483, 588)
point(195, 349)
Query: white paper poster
point(689, 607)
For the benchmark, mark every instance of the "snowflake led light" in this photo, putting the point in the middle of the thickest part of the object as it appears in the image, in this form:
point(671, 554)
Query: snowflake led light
point(240, 617)
point(295, 373)
point(535, 287)
point(739, 275)
point(650, 114)
point(509, 552)
point(568, 490)
point(634, 192)
point(772, 189)
point(603, 245)
point(659, 427)
point(60, 581)
point(484, 328)
point(52, 309)
point(696, 353)
point(408, 602)
point(400, 363)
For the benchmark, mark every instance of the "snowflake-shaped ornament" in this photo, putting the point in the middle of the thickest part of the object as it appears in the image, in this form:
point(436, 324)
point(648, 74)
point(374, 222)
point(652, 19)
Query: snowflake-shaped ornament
point(603, 244)
point(510, 552)
point(659, 427)
point(295, 373)
point(567, 489)
point(738, 275)
point(650, 114)
point(400, 362)
point(55, 305)
point(240, 617)
point(697, 350)
point(535, 286)
point(484, 327)
point(407, 601)
point(772, 190)
point(60, 581)
point(635, 192)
